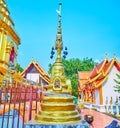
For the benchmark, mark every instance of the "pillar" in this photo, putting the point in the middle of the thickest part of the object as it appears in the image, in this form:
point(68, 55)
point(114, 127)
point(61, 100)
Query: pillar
point(1, 38)
point(8, 50)
point(111, 106)
point(101, 95)
point(3, 49)
point(106, 102)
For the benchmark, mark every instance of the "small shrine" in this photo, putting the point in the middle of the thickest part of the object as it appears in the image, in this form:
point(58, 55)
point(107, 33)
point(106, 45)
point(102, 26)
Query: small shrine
point(57, 108)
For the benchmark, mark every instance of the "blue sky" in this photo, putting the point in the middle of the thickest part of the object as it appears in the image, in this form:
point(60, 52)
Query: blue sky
point(90, 28)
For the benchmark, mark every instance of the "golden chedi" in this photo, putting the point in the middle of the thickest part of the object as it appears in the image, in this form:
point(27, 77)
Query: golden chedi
point(57, 106)
point(9, 42)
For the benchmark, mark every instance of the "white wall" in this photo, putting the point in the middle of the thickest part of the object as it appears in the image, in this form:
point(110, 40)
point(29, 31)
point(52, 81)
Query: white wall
point(97, 98)
point(108, 86)
point(33, 76)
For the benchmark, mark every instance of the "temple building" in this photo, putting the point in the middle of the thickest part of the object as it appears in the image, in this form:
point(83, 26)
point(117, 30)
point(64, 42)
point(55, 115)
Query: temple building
point(98, 86)
point(9, 41)
point(34, 73)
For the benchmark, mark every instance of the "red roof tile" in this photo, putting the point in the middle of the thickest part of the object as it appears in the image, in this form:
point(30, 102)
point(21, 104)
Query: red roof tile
point(98, 68)
point(117, 64)
point(106, 67)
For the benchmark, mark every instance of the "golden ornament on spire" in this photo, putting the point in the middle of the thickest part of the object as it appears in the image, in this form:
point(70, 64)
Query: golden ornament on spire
point(58, 42)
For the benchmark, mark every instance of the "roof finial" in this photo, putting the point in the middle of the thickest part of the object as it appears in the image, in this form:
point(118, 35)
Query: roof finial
point(32, 59)
point(36, 60)
point(114, 55)
point(106, 55)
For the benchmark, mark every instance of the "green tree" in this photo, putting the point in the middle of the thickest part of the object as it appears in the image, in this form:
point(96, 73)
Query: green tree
point(19, 68)
point(117, 87)
point(72, 67)
point(50, 68)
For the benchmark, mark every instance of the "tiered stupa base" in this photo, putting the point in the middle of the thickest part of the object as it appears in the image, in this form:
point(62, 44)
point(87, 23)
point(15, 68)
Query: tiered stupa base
point(57, 111)
point(58, 108)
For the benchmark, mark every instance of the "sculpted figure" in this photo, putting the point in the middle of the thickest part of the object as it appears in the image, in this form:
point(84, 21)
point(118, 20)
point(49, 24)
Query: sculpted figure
point(57, 83)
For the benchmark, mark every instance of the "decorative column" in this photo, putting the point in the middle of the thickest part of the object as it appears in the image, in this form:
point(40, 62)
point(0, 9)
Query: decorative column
point(93, 96)
point(106, 102)
point(3, 49)
point(84, 96)
point(117, 107)
point(8, 50)
point(1, 39)
point(90, 97)
point(87, 96)
point(111, 106)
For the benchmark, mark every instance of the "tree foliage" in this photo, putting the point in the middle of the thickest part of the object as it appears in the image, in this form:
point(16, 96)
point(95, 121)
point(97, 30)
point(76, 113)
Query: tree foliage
point(117, 87)
point(72, 67)
point(19, 68)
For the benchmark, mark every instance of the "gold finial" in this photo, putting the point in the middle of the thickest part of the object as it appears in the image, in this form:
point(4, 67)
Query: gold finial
point(106, 55)
point(115, 55)
point(36, 60)
point(58, 42)
point(32, 59)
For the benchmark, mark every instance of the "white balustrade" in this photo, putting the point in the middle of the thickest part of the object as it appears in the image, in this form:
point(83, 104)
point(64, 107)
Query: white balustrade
point(117, 110)
point(110, 106)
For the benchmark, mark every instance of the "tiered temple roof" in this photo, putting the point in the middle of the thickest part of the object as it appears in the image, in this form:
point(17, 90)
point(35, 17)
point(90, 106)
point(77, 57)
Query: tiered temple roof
point(42, 73)
point(99, 74)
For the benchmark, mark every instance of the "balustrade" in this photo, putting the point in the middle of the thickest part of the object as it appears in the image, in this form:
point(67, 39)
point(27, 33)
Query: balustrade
point(113, 107)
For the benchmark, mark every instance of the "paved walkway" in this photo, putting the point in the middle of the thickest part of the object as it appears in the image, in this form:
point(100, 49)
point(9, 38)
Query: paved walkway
point(100, 120)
